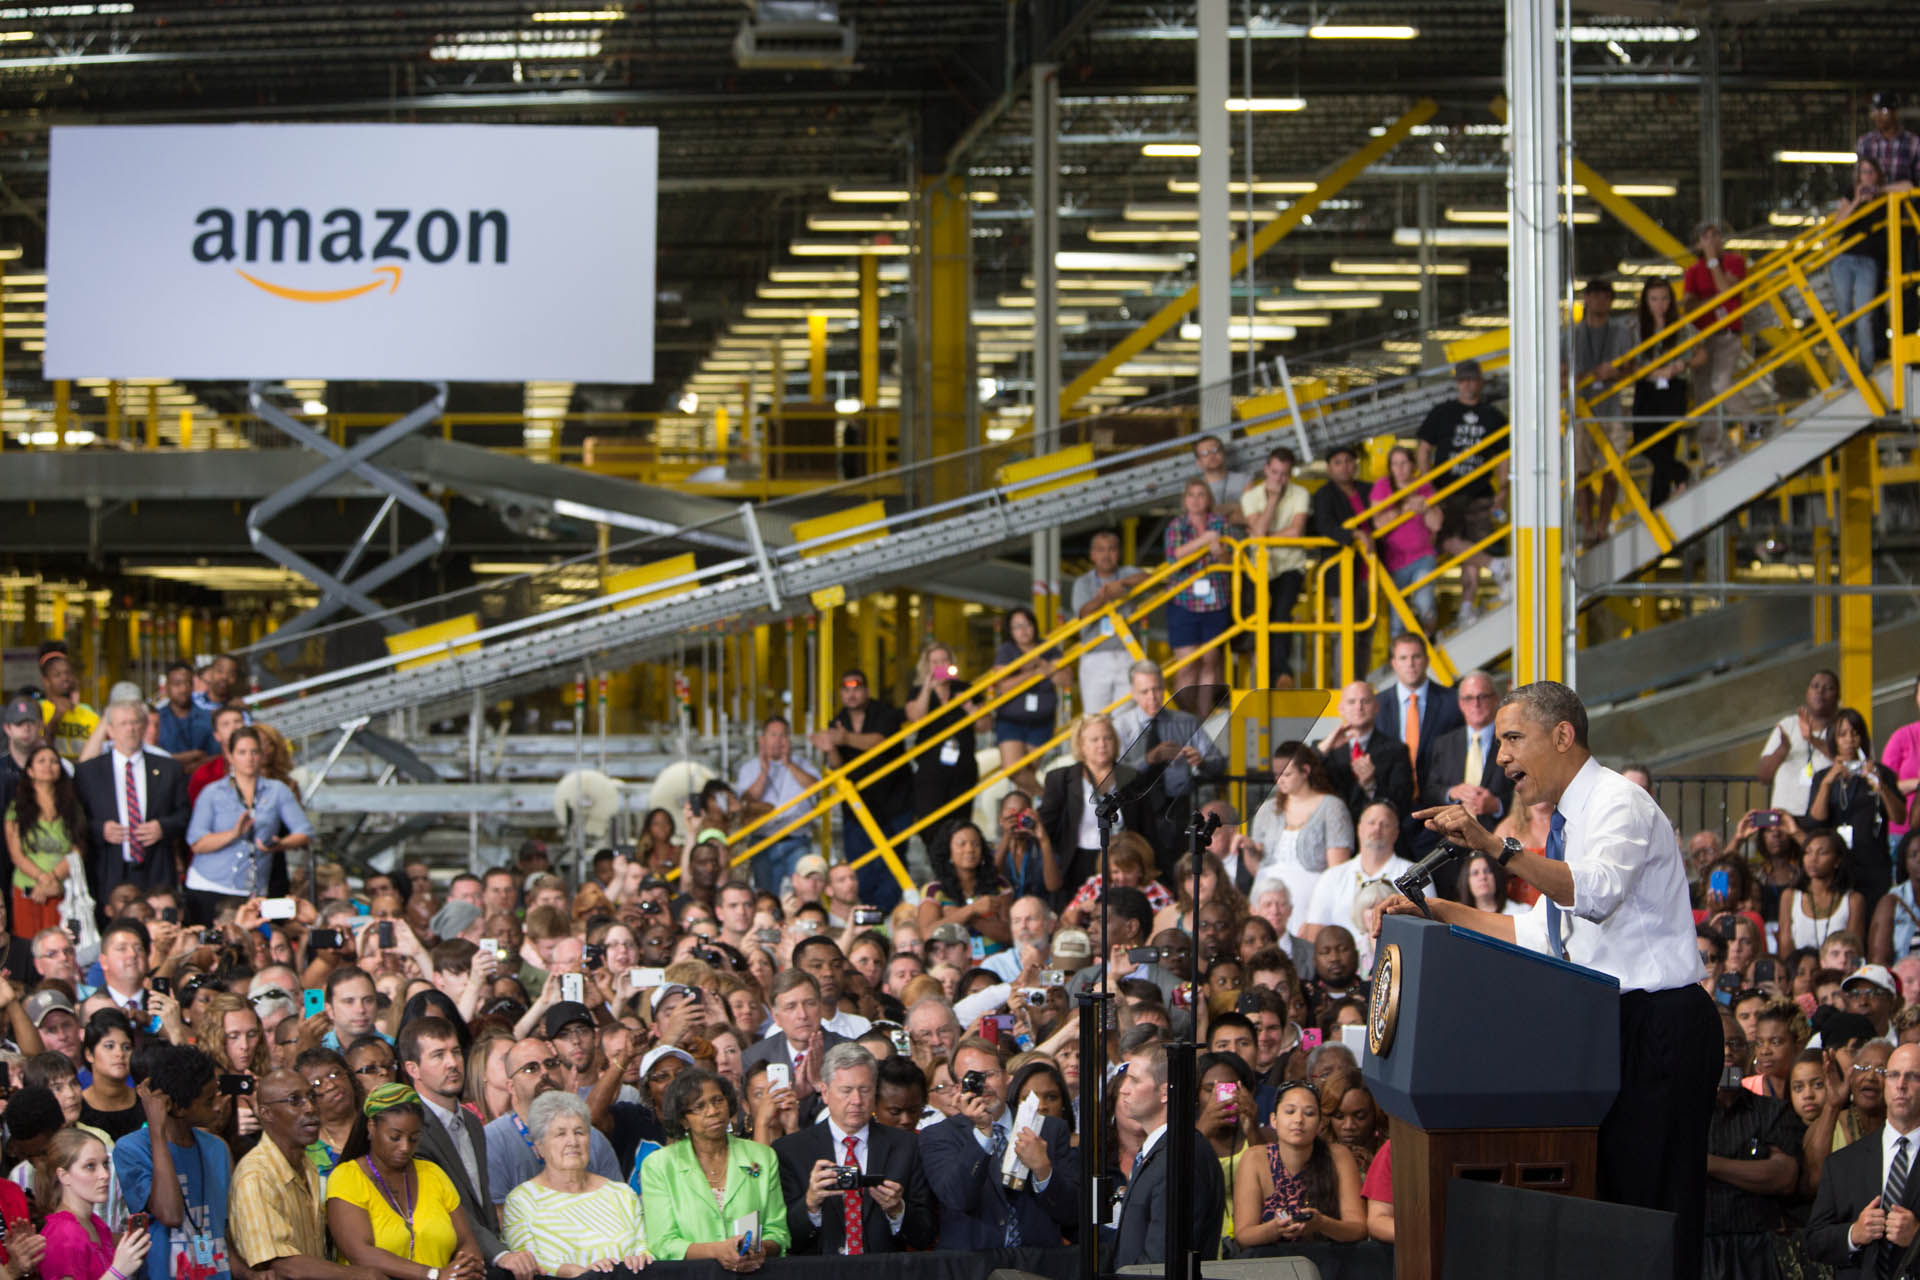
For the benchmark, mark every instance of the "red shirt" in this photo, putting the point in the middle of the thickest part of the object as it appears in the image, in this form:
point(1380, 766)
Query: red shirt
point(1700, 286)
point(205, 776)
point(1379, 1183)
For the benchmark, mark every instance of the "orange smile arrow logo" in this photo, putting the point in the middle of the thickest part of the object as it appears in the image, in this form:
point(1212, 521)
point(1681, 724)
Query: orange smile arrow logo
point(325, 295)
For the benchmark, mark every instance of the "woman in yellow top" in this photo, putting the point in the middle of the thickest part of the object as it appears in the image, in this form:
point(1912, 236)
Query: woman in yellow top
point(699, 1192)
point(390, 1212)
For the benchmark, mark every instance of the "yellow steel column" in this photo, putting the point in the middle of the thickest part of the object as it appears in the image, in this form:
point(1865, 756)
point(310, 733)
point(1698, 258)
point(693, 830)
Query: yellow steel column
point(870, 435)
point(62, 411)
point(824, 702)
point(945, 246)
point(720, 425)
point(153, 416)
point(1822, 575)
point(1129, 540)
point(1856, 570)
point(1174, 312)
point(816, 357)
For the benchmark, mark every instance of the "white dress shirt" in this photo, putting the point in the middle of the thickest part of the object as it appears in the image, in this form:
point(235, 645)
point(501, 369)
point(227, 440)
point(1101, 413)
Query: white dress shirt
point(120, 764)
point(860, 1150)
point(1888, 1136)
point(850, 1025)
point(1334, 895)
point(1629, 884)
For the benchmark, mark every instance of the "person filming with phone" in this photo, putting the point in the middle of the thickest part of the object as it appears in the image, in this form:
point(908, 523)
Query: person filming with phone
point(1859, 799)
point(1613, 897)
point(238, 824)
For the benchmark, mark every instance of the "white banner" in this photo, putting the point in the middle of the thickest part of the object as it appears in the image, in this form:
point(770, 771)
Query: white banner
point(463, 252)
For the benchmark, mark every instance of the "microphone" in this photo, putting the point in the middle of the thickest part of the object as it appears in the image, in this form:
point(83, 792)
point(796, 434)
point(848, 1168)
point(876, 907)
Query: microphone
point(1415, 882)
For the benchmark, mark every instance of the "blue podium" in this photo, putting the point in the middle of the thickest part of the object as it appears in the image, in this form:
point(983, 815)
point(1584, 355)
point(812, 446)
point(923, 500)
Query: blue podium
point(1495, 1063)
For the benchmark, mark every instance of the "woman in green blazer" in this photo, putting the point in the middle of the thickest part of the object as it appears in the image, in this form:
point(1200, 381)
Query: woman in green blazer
point(697, 1191)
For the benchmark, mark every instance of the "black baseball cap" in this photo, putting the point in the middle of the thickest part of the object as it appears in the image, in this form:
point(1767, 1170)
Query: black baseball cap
point(1886, 100)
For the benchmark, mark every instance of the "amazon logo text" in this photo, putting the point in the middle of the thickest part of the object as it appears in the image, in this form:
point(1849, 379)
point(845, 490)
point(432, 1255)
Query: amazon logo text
point(385, 236)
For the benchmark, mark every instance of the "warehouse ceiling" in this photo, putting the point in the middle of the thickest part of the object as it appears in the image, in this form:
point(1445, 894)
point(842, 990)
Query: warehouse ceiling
point(934, 85)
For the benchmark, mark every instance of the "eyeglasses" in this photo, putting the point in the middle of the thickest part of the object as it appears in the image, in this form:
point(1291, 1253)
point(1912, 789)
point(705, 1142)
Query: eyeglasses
point(329, 1077)
point(1871, 1071)
point(298, 1101)
point(536, 1067)
point(374, 1069)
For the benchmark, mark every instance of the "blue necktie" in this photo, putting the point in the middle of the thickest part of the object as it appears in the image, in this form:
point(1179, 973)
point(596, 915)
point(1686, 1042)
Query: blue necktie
point(1557, 851)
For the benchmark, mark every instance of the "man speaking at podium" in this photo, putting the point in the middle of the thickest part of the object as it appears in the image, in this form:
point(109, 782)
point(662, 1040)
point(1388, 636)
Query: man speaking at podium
point(1613, 897)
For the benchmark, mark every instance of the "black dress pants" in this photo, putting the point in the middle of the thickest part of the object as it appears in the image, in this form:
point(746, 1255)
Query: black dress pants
point(1653, 1142)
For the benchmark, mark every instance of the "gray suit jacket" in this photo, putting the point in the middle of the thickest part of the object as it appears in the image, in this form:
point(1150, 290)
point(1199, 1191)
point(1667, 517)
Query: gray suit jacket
point(437, 1146)
point(774, 1048)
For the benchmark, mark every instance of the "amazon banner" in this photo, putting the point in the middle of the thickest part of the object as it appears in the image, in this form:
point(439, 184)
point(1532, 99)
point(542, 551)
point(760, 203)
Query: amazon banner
point(408, 252)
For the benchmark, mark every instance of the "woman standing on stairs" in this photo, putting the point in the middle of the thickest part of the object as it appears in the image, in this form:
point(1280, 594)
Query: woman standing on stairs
point(1660, 397)
point(946, 769)
point(1857, 797)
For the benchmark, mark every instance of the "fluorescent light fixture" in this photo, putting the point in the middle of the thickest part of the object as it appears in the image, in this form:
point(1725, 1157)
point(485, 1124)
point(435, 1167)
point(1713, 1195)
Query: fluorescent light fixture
point(39, 278)
point(777, 291)
point(1756, 244)
point(14, 37)
point(1144, 235)
point(1078, 300)
point(1345, 302)
point(1775, 218)
point(314, 408)
point(12, 252)
point(1659, 190)
point(1452, 237)
point(990, 318)
point(1484, 322)
point(1171, 150)
point(1498, 216)
point(1650, 267)
point(1648, 34)
point(580, 15)
point(1815, 157)
point(1275, 187)
point(1190, 331)
point(1380, 31)
point(509, 46)
point(846, 249)
point(983, 195)
point(1167, 211)
point(689, 402)
point(854, 222)
point(1159, 369)
point(1353, 284)
point(868, 195)
point(800, 313)
point(847, 404)
point(1401, 348)
point(1266, 104)
point(1080, 260)
point(814, 275)
point(1393, 267)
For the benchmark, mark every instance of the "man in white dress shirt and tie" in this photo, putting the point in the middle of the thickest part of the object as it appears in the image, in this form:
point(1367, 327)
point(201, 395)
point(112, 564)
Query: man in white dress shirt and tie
point(1611, 860)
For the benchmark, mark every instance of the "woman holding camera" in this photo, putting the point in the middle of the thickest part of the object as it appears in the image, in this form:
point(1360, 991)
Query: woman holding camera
point(239, 824)
point(705, 1180)
point(945, 767)
point(1860, 799)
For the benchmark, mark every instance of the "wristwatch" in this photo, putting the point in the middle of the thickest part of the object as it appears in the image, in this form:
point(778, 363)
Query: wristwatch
point(1508, 848)
point(433, 1273)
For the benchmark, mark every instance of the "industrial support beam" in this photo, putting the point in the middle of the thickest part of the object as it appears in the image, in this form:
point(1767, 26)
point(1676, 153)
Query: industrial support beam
point(1177, 310)
point(945, 283)
point(816, 357)
point(1212, 273)
point(1045, 554)
point(1542, 575)
point(1856, 569)
point(869, 336)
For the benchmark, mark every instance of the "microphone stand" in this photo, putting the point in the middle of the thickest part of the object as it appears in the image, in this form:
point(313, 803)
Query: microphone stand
point(1095, 1002)
point(1414, 883)
point(1183, 1258)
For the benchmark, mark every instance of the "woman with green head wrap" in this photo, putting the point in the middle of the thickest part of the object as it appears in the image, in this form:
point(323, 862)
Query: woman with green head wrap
point(394, 1214)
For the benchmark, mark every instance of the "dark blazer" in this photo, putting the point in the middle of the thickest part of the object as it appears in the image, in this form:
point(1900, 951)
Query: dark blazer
point(1062, 801)
point(1442, 713)
point(437, 1147)
point(167, 804)
point(975, 1208)
point(1440, 768)
point(1392, 775)
point(891, 1153)
point(774, 1049)
point(1852, 1179)
point(1142, 1234)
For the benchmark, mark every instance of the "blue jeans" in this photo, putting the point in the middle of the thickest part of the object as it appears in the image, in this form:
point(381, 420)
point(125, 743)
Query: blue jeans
point(776, 863)
point(878, 888)
point(1421, 601)
point(1856, 279)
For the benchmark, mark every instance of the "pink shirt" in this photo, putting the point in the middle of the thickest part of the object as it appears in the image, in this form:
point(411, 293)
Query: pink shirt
point(1410, 539)
point(70, 1253)
point(1902, 755)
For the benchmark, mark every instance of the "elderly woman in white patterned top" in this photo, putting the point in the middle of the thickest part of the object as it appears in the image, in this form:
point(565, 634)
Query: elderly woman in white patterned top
point(571, 1220)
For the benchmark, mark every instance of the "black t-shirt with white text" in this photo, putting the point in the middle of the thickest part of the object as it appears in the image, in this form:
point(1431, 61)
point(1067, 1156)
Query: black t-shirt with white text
point(1453, 428)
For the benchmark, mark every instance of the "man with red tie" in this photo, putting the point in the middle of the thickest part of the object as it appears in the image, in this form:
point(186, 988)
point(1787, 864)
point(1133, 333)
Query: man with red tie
point(889, 1207)
point(1363, 763)
point(136, 805)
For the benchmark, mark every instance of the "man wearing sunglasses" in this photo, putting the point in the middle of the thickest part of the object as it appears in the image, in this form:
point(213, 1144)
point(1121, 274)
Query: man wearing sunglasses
point(533, 1068)
point(275, 1216)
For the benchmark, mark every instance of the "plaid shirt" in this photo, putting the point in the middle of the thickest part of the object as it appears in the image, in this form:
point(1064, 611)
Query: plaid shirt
point(1180, 532)
point(1898, 156)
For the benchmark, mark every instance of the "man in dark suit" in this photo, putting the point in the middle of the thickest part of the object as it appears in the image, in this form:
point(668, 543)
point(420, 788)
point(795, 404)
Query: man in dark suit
point(1461, 767)
point(429, 1058)
point(887, 1216)
point(137, 808)
point(1415, 709)
point(1364, 764)
point(1868, 1194)
point(801, 1042)
point(1142, 1233)
point(963, 1155)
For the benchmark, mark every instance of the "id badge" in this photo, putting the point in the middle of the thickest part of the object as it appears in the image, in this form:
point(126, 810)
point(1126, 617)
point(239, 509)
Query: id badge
point(203, 1251)
point(1806, 770)
point(1659, 384)
point(1106, 627)
point(1033, 703)
point(1845, 831)
point(949, 753)
point(1203, 588)
point(978, 946)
